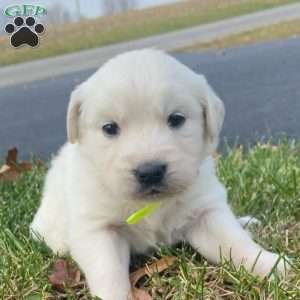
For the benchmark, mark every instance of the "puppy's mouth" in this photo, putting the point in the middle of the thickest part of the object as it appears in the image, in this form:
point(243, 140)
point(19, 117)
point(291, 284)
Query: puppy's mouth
point(165, 189)
point(153, 192)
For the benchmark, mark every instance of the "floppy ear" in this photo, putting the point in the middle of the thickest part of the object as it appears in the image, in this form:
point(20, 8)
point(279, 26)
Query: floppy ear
point(73, 116)
point(214, 113)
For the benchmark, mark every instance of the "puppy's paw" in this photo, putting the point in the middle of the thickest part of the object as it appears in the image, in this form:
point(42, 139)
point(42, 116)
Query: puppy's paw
point(270, 264)
point(53, 238)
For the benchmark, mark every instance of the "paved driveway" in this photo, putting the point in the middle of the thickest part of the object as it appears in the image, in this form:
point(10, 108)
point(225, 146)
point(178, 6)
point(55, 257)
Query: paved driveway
point(259, 84)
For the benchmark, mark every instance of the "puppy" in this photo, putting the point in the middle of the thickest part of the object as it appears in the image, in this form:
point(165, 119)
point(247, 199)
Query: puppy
point(142, 128)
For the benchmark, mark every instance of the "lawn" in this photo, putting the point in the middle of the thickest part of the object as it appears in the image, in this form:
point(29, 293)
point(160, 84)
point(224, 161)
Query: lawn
point(269, 33)
point(131, 25)
point(263, 181)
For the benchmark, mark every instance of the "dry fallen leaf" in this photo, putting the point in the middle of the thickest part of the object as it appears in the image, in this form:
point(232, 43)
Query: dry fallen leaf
point(216, 155)
point(156, 267)
point(12, 169)
point(4, 169)
point(64, 276)
point(140, 294)
point(11, 158)
point(8, 174)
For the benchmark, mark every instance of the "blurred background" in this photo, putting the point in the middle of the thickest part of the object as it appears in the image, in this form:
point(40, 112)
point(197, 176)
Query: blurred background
point(73, 25)
point(60, 12)
point(248, 49)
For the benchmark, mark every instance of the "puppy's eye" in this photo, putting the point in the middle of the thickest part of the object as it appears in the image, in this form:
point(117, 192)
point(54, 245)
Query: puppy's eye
point(111, 129)
point(176, 120)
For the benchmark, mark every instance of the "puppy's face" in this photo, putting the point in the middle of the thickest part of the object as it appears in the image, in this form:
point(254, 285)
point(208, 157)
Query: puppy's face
point(142, 121)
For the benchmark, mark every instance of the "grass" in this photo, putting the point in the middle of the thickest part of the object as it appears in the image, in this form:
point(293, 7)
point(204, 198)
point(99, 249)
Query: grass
point(263, 181)
point(264, 34)
point(131, 25)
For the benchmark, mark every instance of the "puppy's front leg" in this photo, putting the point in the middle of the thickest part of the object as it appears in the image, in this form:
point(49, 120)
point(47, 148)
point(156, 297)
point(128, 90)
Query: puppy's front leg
point(217, 232)
point(104, 258)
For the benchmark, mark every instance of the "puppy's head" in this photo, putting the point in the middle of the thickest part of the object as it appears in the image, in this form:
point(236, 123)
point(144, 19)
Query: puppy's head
point(145, 122)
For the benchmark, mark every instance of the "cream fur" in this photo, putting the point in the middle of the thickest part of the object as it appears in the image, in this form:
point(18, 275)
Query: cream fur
point(90, 190)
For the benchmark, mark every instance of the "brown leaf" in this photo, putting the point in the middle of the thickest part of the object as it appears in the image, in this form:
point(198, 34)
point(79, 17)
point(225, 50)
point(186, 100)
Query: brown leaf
point(24, 166)
point(12, 169)
point(8, 173)
point(156, 267)
point(59, 275)
point(63, 275)
point(75, 276)
point(140, 294)
point(216, 155)
point(11, 158)
point(4, 169)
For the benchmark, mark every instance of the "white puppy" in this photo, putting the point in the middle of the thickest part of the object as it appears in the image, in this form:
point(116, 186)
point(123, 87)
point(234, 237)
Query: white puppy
point(141, 129)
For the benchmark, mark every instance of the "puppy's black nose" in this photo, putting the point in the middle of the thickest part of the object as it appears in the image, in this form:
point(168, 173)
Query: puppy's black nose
point(150, 173)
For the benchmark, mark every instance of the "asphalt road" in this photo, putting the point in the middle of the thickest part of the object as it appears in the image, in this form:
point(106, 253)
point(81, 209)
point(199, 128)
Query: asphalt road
point(260, 86)
point(179, 39)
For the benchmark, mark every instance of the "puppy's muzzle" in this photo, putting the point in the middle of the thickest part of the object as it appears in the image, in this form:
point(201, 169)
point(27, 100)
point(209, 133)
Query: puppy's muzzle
point(150, 175)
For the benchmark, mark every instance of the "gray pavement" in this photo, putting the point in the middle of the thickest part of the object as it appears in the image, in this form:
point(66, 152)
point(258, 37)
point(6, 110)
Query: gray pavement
point(87, 59)
point(259, 84)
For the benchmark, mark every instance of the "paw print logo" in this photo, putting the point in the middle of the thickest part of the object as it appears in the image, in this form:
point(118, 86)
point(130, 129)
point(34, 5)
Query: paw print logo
point(24, 33)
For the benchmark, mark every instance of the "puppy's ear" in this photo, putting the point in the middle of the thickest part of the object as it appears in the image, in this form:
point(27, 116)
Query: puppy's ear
point(214, 113)
point(73, 116)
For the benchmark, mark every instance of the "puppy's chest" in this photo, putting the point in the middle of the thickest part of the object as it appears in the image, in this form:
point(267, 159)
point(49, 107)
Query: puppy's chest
point(160, 229)
point(141, 236)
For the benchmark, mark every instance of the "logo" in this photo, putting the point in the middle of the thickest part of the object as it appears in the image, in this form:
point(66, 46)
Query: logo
point(24, 29)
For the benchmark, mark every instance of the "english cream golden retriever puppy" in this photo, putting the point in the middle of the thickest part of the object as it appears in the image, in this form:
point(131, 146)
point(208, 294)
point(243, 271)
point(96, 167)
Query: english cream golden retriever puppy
point(141, 129)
